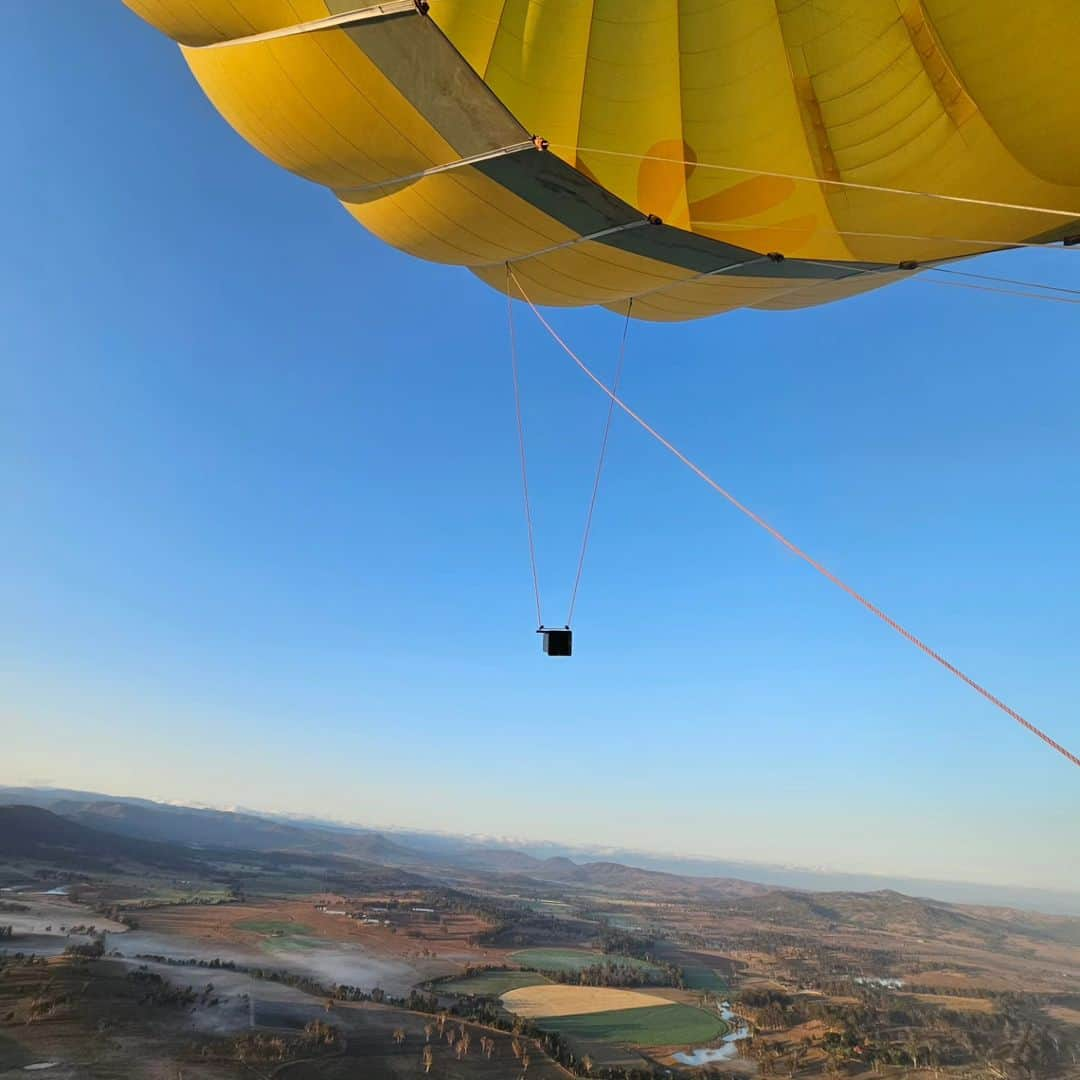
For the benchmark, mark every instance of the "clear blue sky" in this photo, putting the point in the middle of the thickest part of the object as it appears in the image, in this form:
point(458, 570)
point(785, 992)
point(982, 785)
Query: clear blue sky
point(263, 545)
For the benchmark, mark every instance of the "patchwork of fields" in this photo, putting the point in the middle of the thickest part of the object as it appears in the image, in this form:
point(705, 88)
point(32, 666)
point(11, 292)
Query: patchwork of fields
point(555, 999)
point(609, 1015)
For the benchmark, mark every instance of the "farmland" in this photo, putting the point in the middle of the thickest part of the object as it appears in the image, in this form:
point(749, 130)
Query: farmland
point(561, 1000)
point(701, 977)
point(240, 967)
point(670, 1025)
point(491, 983)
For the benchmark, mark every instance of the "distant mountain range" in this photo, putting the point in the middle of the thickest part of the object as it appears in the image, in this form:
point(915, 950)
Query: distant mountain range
point(103, 834)
point(30, 832)
point(192, 827)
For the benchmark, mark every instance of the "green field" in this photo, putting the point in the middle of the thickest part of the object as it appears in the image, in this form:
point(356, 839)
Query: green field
point(700, 977)
point(572, 959)
point(664, 1025)
point(280, 935)
point(490, 983)
point(275, 928)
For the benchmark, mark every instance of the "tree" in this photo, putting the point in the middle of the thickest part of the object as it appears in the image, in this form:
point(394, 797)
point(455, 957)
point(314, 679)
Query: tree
point(428, 1058)
point(912, 1049)
point(399, 1036)
point(428, 1029)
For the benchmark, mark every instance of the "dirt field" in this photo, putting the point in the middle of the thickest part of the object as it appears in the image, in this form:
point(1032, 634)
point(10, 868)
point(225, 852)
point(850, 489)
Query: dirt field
point(960, 1004)
point(564, 1000)
point(266, 921)
point(1065, 1015)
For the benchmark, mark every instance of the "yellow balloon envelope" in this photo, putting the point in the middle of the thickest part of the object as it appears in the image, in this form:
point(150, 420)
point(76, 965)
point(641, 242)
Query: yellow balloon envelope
point(752, 129)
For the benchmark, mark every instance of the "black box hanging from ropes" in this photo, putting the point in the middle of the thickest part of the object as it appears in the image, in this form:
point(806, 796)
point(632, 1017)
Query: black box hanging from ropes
point(557, 642)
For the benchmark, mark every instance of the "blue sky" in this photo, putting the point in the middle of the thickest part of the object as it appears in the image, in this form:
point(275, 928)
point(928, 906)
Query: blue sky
point(263, 543)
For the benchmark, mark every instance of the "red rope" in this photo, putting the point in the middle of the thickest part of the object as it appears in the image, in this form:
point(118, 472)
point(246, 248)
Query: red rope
point(777, 535)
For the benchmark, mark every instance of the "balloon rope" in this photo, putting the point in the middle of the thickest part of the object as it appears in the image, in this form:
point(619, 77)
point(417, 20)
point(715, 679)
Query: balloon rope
point(990, 245)
point(846, 184)
point(600, 464)
point(521, 447)
point(856, 270)
point(777, 535)
point(1006, 281)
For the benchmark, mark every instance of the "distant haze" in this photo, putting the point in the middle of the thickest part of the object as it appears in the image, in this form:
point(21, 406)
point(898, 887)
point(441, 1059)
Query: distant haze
point(375, 847)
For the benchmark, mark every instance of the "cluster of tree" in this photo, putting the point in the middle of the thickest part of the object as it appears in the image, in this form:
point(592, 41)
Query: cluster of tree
point(612, 973)
point(769, 1010)
point(10, 907)
point(46, 1005)
point(7, 932)
point(889, 1029)
point(258, 1047)
point(154, 990)
point(91, 950)
point(623, 943)
point(216, 962)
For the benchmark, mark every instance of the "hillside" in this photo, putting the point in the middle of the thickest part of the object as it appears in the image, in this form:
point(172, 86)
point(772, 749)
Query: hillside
point(226, 829)
point(28, 832)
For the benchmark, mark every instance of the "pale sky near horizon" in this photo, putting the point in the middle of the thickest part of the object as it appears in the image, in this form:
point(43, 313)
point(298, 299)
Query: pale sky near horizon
point(263, 541)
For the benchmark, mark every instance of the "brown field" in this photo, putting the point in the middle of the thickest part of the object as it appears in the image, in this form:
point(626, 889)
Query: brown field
point(958, 980)
point(452, 936)
point(565, 1000)
point(960, 1004)
point(1065, 1014)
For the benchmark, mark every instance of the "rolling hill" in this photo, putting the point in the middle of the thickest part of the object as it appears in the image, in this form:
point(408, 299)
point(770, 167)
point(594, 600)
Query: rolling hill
point(28, 832)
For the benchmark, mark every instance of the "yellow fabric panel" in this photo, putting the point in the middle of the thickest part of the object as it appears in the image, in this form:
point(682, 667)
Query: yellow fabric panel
point(729, 292)
point(203, 22)
point(317, 106)
point(471, 25)
point(810, 294)
point(709, 296)
point(1018, 61)
point(739, 109)
point(871, 91)
point(542, 58)
point(460, 217)
point(631, 94)
point(602, 273)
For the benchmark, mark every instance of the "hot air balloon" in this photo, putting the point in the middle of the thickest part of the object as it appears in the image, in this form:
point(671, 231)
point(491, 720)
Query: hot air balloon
point(693, 155)
point(668, 159)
